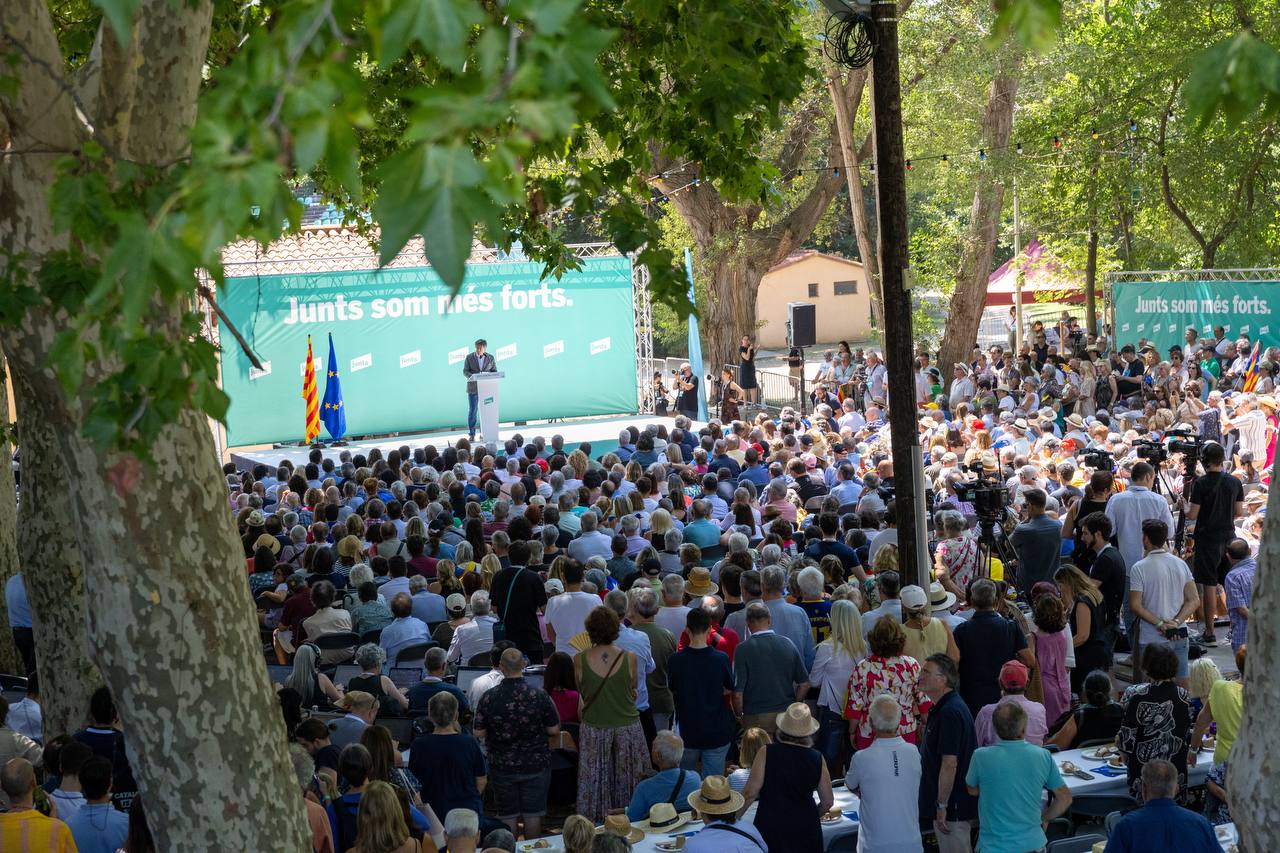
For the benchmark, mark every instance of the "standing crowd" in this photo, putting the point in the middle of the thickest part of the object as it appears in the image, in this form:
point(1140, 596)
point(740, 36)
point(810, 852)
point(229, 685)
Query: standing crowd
point(705, 629)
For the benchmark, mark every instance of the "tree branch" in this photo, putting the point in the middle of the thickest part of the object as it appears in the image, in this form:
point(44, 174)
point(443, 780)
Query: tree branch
point(208, 297)
point(1166, 187)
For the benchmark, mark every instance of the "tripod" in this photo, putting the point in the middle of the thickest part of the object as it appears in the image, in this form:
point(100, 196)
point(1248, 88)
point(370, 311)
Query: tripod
point(990, 545)
point(1162, 487)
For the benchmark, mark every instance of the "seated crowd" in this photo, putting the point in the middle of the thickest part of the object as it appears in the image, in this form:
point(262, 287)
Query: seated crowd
point(709, 626)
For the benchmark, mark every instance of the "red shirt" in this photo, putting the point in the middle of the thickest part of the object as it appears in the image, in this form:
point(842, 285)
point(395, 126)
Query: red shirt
point(721, 639)
point(297, 607)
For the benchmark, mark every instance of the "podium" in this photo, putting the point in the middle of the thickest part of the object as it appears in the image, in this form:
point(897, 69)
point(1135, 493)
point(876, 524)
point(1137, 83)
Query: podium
point(487, 390)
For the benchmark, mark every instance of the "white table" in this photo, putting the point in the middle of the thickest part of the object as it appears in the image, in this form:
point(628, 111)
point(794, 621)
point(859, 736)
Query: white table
point(1119, 784)
point(845, 800)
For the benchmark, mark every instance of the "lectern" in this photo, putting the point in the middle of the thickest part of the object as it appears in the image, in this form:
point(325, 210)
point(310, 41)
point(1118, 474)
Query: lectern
point(487, 389)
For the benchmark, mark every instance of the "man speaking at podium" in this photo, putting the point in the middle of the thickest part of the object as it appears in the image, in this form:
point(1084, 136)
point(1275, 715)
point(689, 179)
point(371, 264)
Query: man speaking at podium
point(476, 362)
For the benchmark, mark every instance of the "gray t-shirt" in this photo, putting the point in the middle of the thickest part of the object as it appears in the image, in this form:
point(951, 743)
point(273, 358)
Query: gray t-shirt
point(766, 670)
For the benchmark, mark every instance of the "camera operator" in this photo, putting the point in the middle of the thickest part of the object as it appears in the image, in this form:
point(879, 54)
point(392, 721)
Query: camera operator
point(1037, 542)
point(661, 398)
point(687, 399)
point(1217, 500)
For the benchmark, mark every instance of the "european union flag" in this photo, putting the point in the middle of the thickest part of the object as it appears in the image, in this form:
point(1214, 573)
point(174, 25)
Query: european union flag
point(332, 411)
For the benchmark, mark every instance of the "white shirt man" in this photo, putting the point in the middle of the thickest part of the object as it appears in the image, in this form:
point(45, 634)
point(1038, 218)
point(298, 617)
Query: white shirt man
point(591, 542)
point(890, 769)
point(877, 375)
point(567, 615)
point(852, 419)
point(962, 387)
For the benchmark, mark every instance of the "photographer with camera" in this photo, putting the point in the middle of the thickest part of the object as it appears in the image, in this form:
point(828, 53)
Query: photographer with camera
point(1216, 501)
point(687, 386)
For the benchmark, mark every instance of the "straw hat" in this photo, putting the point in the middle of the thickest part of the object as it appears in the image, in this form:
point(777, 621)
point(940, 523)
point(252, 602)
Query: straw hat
point(256, 519)
point(1268, 401)
point(663, 817)
point(618, 824)
point(699, 582)
point(1075, 420)
point(266, 540)
point(715, 797)
point(939, 598)
point(797, 721)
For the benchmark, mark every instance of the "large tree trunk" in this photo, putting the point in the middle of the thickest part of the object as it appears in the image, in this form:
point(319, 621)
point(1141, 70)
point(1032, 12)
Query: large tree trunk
point(1255, 759)
point(10, 660)
point(846, 112)
point(980, 242)
point(52, 567)
point(170, 623)
point(730, 312)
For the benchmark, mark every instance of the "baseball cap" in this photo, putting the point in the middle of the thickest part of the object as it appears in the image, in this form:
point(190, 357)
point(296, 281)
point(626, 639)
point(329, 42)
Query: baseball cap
point(913, 598)
point(455, 603)
point(1014, 674)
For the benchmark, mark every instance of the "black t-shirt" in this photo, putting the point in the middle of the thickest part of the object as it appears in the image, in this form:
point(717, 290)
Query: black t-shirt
point(948, 731)
point(1108, 570)
point(688, 400)
point(1217, 494)
point(698, 678)
point(326, 757)
point(517, 594)
point(109, 743)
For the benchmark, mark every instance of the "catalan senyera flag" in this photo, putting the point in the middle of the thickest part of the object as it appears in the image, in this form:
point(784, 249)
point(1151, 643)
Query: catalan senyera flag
point(1251, 369)
point(310, 396)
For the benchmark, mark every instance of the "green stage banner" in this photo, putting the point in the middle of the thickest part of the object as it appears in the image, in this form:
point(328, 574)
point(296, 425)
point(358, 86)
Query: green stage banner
point(567, 347)
point(1161, 311)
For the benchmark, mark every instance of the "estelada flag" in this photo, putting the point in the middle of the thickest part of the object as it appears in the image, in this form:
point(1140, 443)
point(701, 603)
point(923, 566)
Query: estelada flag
point(1251, 369)
point(309, 395)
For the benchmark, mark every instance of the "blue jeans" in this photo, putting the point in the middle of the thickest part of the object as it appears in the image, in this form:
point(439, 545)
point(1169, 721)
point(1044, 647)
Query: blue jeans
point(712, 760)
point(473, 404)
point(833, 734)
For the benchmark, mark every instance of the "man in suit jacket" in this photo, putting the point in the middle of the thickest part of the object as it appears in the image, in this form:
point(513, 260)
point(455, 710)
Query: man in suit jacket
point(476, 362)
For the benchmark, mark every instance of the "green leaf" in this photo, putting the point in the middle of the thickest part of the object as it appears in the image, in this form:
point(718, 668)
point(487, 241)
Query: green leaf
point(1033, 23)
point(1237, 77)
point(440, 26)
point(309, 139)
point(119, 13)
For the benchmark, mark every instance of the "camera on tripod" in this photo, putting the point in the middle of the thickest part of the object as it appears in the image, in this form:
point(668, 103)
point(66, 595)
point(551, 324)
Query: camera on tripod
point(988, 495)
point(1099, 459)
point(1185, 442)
point(1151, 451)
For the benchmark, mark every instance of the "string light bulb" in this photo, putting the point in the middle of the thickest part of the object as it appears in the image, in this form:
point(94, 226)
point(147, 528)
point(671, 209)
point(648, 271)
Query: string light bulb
point(1018, 148)
point(982, 154)
point(836, 171)
point(1057, 143)
point(908, 165)
point(1133, 126)
point(1094, 133)
point(946, 161)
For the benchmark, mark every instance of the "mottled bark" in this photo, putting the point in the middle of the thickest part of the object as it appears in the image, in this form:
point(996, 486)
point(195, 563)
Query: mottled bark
point(10, 660)
point(169, 620)
point(730, 311)
point(50, 556)
point(1255, 759)
point(979, 246)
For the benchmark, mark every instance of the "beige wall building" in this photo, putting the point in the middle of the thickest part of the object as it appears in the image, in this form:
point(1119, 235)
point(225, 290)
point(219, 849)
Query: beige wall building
point(836, 286)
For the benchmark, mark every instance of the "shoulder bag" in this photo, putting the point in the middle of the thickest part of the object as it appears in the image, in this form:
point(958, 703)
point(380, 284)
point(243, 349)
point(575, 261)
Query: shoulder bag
point(500, 627)
point(588, 702)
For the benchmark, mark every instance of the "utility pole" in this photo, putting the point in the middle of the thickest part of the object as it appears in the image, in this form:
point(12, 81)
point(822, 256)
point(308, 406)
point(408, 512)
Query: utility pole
point(1018, 273)
point(891, 208)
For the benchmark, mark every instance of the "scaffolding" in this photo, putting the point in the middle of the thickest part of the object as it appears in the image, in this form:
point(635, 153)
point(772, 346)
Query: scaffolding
point(340, 249)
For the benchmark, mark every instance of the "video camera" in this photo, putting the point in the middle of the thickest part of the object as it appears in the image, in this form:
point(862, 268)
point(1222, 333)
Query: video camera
point(1186, 442)
point(988, 495)
point(1099, 459)
point(1151, 451)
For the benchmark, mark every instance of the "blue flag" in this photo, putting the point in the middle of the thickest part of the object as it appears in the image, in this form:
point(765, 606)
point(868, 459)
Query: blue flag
point(332, 411)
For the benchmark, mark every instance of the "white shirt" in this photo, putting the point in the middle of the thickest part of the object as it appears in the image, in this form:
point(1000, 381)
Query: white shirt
point(25, 718)
point(567, 614)
point(1253, 432)
point(1127, 511)
point(852, 420)
point(888, 536)
point(961, 391)
point(887, 813)
point(637, 642)
point(472, 638)
point(892, 607)
point(831, 670)
point(1162, 579)
point(593, 544)
point(672, 618)
point(391, 588)
point(482, 685)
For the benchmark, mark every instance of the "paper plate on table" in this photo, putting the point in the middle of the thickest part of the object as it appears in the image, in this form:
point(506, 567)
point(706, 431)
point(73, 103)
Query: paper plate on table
point(540, 845)
point(1100, 753)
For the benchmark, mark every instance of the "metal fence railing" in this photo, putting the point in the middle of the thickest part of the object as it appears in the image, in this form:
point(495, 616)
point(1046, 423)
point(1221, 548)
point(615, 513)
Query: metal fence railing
point(777, 388)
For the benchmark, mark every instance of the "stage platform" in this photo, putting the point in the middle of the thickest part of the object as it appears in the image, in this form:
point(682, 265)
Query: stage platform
point(602, 433)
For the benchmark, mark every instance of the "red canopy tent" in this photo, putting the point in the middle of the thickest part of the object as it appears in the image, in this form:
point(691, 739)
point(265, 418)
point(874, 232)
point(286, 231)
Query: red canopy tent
point(1043, 280)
